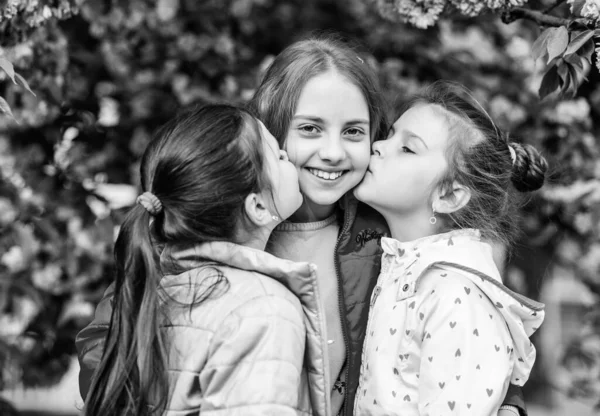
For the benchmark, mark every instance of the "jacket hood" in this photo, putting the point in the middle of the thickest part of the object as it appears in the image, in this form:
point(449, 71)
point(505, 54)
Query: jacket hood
point(299, 277)
point(463, 251)
point(176, 257)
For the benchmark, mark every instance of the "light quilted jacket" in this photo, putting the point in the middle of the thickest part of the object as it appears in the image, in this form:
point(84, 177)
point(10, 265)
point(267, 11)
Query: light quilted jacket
point(255, 347)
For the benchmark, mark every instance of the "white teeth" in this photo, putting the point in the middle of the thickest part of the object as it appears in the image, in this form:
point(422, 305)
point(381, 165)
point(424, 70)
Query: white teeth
point(326, 175)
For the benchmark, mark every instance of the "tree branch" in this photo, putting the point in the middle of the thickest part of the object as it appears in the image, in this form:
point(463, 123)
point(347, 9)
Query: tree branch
point(554, 6)
point(540, 18)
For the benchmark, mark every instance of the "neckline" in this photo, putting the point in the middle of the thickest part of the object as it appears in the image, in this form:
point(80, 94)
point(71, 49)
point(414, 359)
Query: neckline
point(307, 226)
point(393, 245)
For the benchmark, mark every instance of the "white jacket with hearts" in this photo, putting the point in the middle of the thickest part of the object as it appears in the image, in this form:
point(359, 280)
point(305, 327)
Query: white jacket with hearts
point(445, 336)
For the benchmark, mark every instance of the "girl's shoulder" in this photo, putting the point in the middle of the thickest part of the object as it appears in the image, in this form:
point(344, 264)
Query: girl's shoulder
point(219, 281)
point(206, 296)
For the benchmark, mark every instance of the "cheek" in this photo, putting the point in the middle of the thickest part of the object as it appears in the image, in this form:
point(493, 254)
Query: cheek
point(360, 155)
point(293, 147)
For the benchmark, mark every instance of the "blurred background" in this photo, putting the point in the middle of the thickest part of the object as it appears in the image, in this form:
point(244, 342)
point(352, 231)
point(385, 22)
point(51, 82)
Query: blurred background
point(106, 73)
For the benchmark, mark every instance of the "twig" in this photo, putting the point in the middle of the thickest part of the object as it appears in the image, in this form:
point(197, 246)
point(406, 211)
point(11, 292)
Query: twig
point(537, 16)
point(554, 6)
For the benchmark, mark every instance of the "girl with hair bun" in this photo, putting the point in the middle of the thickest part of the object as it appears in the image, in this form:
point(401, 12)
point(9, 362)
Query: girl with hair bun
point(444, 335)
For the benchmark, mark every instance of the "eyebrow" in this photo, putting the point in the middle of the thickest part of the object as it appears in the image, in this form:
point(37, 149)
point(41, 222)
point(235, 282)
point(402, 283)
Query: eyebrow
point(321, 121)
point(311, 118)
point(412, 135)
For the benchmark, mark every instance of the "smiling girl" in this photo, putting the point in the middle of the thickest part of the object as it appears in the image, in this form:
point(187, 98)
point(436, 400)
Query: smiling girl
point(444, 335)
point(322, 102)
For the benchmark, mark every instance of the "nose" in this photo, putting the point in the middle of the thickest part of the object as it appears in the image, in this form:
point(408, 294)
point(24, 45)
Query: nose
point(377, 147)
point(332, 150)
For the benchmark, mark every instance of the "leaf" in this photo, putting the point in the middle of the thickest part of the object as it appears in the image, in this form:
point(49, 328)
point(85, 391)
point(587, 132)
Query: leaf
point(564, 78)
point(538, 49)
point(5, 108)
point(575, 60)
point(572, 86)
point(22, 82)
point(557, 42)
point(8, 68)
point(578, 6)
point(550, 82)
point(586, 51)
point(578, 41)
point(577, 77)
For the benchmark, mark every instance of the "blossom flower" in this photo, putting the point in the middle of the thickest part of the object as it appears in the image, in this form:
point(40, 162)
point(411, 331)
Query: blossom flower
point(569, 112)
point(468, 7)
point(420, 13)
point(14, 259)
point(509, 112)
point(598, 56)
point(591, 9)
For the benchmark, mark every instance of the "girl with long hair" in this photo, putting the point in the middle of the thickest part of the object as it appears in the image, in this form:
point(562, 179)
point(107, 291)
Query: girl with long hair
point(189, 333)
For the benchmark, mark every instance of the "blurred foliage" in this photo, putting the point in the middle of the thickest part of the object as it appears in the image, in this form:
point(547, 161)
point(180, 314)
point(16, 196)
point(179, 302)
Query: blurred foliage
point(565, 45)
point(106, 73)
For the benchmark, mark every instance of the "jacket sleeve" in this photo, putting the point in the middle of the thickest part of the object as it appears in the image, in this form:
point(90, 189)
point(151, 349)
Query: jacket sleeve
point(255, 363)
point(466, 353)
point(514, 397)
point(90, 341)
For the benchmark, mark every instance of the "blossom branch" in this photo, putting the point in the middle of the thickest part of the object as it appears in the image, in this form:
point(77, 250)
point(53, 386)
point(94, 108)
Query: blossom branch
point(554, 6)
point(537, 16)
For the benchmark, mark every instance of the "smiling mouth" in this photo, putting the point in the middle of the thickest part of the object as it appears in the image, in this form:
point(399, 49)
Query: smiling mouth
point(328, 176)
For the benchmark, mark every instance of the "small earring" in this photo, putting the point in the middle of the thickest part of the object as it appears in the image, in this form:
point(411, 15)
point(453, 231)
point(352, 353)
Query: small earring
point(275, 217)
point(432, 219)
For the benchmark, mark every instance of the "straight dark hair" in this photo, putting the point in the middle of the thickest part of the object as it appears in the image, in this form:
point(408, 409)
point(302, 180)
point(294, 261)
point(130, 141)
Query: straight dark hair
point(201, 166)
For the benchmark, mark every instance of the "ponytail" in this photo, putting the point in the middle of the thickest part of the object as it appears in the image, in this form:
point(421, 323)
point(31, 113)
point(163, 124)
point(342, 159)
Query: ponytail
point(197, 172)
point(132, 376)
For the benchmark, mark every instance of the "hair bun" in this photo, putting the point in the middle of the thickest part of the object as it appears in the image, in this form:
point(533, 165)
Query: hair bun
point(529, 168)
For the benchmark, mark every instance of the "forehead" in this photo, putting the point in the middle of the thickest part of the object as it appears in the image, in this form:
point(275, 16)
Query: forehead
point(428, 121)
point(332, 95)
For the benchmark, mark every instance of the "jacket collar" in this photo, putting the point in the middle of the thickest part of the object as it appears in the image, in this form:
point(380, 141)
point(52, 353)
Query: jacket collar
point(177, 257)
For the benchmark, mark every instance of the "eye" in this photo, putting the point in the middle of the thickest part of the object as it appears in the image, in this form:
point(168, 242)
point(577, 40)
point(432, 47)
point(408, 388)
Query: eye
point(407, 150)
point(309, 129)
point(354, 133)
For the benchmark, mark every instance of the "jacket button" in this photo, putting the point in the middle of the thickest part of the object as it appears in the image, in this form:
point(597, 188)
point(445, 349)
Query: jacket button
point(405, 287)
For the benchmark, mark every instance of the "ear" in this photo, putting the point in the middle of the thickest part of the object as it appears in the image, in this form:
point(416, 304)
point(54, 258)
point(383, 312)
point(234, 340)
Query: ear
point(451, 199)
point(257, 210)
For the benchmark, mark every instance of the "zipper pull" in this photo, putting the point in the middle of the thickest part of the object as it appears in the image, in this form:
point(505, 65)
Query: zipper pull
point(375, 294)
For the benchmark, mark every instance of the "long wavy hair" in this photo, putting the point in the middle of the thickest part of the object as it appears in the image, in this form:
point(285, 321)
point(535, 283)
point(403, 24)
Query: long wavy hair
point(201, 166)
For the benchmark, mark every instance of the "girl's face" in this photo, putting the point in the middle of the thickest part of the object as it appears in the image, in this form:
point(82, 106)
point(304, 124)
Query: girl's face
point(282, 175)
point(405, 168)
point(329, 142)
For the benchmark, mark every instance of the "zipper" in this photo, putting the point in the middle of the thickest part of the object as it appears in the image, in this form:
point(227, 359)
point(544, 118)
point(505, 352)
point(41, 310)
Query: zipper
point(342, 307)
point(375, 294)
